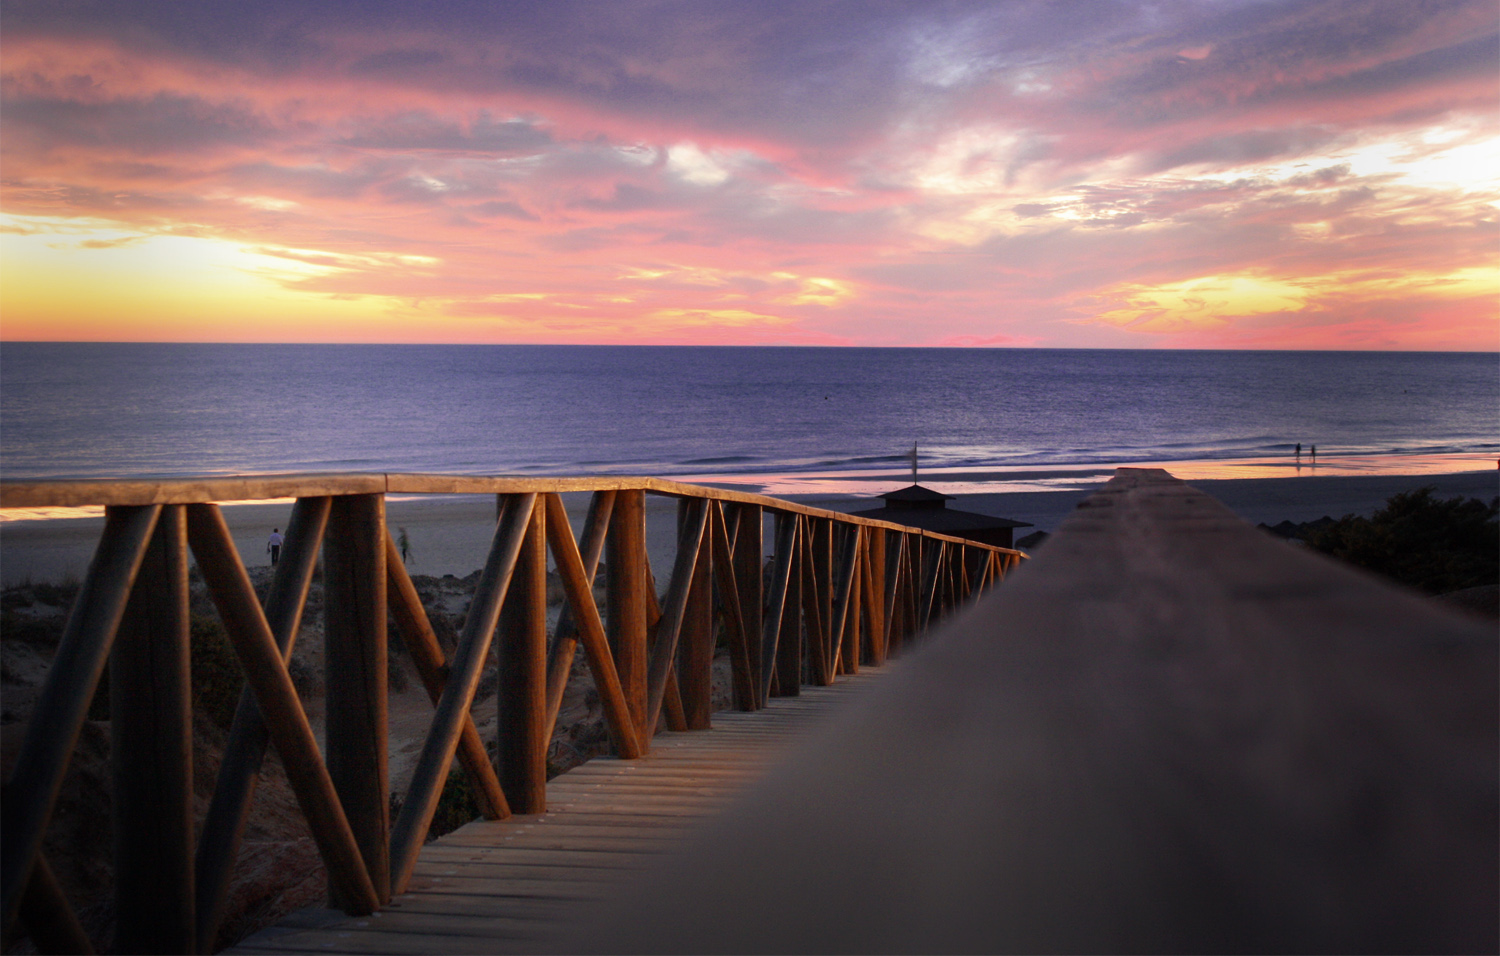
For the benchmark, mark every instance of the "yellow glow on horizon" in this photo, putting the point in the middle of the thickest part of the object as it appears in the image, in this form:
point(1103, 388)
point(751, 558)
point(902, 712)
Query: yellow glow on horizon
point(738, 318)
point(1202, 303)
point(1211, 302)
point(85, 280)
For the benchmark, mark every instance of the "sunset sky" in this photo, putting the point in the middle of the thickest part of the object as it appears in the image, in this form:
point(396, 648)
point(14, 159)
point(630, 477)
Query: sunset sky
point(1185, 173)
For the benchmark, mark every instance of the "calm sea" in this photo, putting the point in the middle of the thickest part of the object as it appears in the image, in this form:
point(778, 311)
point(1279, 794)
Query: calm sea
point(110, 410)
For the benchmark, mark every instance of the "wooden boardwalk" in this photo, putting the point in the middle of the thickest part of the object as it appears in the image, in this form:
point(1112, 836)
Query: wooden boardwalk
point(510, 886)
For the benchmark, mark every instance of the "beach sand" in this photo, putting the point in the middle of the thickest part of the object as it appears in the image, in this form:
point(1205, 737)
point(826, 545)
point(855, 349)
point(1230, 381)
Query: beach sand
point(451, 534)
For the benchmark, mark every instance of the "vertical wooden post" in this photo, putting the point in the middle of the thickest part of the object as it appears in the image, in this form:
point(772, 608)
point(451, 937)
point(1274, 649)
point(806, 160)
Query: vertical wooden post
point(695, 643)
point(783, 566)
point(749, 548)
point(522, 700)
point(625, 582)
point(239, 769)
point(790, 645)
point(820, 581)
point(354, 654)
point(151, 752)
point(876, 589)
point(849, 647)
point(560, 537)
point(35, 779)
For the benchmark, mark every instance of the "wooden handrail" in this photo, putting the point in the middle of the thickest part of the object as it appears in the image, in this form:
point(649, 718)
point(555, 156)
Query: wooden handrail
point(844, 590)
point(1171, 733)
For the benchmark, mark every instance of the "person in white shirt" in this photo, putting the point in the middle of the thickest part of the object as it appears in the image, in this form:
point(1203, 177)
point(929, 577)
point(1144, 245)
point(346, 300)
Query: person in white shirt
point(274, 545)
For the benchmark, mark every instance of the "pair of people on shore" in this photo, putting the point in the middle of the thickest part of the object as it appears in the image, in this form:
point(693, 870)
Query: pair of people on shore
point(1314, 452)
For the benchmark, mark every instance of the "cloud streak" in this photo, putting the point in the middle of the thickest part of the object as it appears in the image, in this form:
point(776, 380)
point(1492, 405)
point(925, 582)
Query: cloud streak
point(1185, 174)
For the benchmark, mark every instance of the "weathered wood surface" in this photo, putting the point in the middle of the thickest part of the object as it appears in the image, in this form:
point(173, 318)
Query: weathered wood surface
point(40, 494)
point(1168, 733)
point(515, 885)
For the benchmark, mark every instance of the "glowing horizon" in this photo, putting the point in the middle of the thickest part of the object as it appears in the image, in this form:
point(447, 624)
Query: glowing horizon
point(1195, 175)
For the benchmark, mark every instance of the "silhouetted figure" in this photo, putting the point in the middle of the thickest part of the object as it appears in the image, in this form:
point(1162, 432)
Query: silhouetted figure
point(273, 545)
point(1299, 451)
point(1315, 454)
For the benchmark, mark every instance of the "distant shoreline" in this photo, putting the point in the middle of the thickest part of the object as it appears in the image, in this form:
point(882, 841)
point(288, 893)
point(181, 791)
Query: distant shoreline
point(450, 535)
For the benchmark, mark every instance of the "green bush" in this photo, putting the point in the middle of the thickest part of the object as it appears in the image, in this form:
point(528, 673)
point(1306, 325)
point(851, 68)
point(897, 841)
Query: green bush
point(1434, 546)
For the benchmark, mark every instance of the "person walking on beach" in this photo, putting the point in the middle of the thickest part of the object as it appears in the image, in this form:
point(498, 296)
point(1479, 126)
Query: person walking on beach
point(1299, 451)
point(1315, 454)
point(273, 545)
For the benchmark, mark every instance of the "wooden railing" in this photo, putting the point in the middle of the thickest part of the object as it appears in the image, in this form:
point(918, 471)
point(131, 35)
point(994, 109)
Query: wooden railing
point(1171, 733)
point(842, 591)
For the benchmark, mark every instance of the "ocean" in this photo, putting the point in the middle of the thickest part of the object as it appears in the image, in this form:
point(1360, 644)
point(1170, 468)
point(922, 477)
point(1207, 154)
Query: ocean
point(154, 410)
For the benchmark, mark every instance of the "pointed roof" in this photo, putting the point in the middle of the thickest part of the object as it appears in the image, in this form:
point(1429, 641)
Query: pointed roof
point(916, 493)
point(925, 508)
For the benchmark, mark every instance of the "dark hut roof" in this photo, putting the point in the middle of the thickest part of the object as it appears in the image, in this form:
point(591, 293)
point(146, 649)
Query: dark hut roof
point(915, 493)
point(924, 508)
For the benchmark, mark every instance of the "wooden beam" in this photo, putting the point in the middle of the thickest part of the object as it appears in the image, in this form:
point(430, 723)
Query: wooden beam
point(695, 645)
point(664, 643)
point(36, 494)
point(63, 703)
point(522, 693)
point(793, 644)
point(245, 748)
point(625, 583)
point(151, 752)
point(576, 573)
point(47, 916)
point(842, 590)
point(431, 771)
point(565, 642)
point(265, 672)
point(432, 669)
point(355, 653)
point(782, 562)
point(749, 570)
point(1172, 734)
point(737, 636)
point(852, 643)
point(875, 594)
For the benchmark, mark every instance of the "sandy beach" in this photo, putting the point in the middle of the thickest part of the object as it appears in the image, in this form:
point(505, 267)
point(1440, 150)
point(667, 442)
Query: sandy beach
point(451, 534)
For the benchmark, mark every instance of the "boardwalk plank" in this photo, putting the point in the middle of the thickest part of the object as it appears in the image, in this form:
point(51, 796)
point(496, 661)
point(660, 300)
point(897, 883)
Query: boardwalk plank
point(510, 885)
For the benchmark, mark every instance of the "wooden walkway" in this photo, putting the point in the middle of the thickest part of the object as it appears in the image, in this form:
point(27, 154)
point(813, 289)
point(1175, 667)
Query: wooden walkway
point(510, 886)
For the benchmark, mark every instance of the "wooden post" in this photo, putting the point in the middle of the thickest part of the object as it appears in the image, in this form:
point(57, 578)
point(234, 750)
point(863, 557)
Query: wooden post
point(667, 630)
point(695, 645)
point(560, 538)
point(151, 752)
point(625, 579)
point(576, 572)
point(783, 564)
point(845, 592)
point(60, 709)
point(522, 647)
point(50, 921)
point(737, 638)
point(265, 672)
point(749, 559)
point(427, 656)
point(355, 660)
point(790, 647)
point(845, 630)
point(819, 582)
point(875, 585)
point(239, 769)
point(431, 771)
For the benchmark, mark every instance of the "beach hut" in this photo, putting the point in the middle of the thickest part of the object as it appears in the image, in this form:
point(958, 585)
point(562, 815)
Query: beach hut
point(927, 509)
